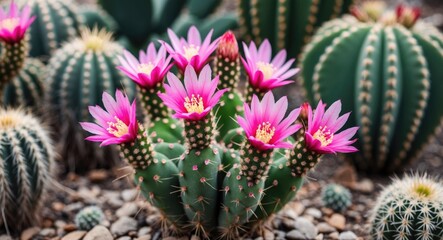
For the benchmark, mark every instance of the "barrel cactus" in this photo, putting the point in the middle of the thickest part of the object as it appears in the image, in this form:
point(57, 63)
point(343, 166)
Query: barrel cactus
point(336, 197)
point(57, 21)
point(285, 23)
point(94, 16)
point(78, 73)
point(388, 69)
point(410, 208)
point(202, 186)
point(89, 217)
point(27, 157)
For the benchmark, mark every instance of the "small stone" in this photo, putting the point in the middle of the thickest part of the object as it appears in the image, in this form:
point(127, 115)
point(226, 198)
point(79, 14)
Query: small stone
point(128, 209)
point(98, 175)
point(98, 233)
point(364, 186)
point(129, 195)
point(298, 207)
point(288, 223)
point(334, 235)
point(290, 213)
point(115, 202)
point(77, 235)
point(295, 235)
point(268, 235)
point(306, 227)
point(123, 226)
point(338, 221)
point(152, 219)
point(69, 227)
point(59, 224)
point(348, 235)
point(145, 237)
point(313, 212)
point(124, 238)
point(327, 211)
point(5, 237)
point(47, 223)
point(57, 206)
point(259, 238)
point(29, 233)
point(319, 237)
point(74, 207)
point(47, 232)
point(279, 234)
point(144, 230)
point(325, 228)
point(195, 237)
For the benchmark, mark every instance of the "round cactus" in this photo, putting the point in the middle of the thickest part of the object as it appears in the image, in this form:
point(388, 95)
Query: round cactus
point(388, 67)
point(336, 197)
point(285, 23)
point(78, 74)
point(26, 89)
point(26, 159)
point(94, 16)
point(89, 217)
point(411, 208)
point(56, 21)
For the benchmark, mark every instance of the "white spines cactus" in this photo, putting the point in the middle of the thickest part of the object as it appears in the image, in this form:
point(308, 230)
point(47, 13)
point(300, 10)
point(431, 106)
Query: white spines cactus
point(89, 217)
point(336, 197)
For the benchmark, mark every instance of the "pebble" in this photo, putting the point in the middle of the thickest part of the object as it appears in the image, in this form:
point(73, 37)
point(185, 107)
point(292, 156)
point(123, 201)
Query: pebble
point(129, 194)
point(29, 233)
point(268, 235)
point(325, 228)
point(99, 233)
point(319, 237)
point(364, 186)
point(98, 175)
point(77, 235)
point(145, 237)
point(313, 212)
point(47, 232)
point(288, 223)
point(69, 227)
point(115, 202)
point(338, 221)
point(73, 207)
point(298, 207)
point(152, 219)
point(348, 235)
point(123, 225)
point(128, 209)
point(124, 238)
point(334, 235)
point(290, 213)
point(58, 206)
point(306, 227)
point(195, 237)
point(295, 235)
point(5, 237)
point(144, 231)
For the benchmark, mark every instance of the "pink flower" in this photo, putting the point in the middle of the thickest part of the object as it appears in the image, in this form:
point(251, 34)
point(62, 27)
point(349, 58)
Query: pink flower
point(13, 24)
point(266, 74)
point(196, 98)
point(265, 125)
point(117, 124)
point(322, 126)
point(228, 47)
point(192, 51)
point(406, 15)
point(149, 69)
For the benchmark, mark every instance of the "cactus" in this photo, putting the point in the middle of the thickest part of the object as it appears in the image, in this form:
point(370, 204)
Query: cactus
point(388, 67)
point(336, 197)
point(285, 23)
point(78, 73)
point(411, 208)
point(145, 20)
point(89, 217)
point(209, 188)
point(57, 22)
point(94, 16)
point(27, 88)
point(27, 157)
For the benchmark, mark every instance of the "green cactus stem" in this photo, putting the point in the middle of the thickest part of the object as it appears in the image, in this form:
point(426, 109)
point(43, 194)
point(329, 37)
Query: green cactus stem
point(26, 161)
point(336, 197)
point(94, 16)
point(12, 58)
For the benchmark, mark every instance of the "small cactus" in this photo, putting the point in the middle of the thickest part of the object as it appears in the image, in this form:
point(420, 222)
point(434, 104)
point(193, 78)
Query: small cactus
point(336, 197)
point(410, 208)
point(89, 217)
point(26, 160)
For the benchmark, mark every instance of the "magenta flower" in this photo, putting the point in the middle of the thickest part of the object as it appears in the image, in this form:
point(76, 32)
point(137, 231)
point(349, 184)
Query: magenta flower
point(266, 74)
point(265, 125)
point(196, 98)
point(322, 126)
point(117, 124)
point(13, 24)
point(149, 69)
point(192, 51)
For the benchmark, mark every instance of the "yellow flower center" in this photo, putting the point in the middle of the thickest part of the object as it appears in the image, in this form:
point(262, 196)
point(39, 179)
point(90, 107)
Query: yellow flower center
point(423, 190)
point(7, 121)
point(265, 132)
point(95, 40)
point(324, 136)
point(145, 68)
point(195, 104)
point(9, 23)
point(191, 51)
point(117, 128)
point(267, 69)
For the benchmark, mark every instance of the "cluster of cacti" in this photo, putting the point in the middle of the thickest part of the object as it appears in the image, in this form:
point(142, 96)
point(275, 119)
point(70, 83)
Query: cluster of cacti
point(26, 159)
point(336, 197)
point(285, 23)
point(89, 217)
point(142, 21)
point(78, 73)
point(411, 208)
point(386, 68)
point(201, 185)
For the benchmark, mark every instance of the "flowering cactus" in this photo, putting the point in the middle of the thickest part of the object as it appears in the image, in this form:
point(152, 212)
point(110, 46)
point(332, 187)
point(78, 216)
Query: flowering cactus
point(204, 185)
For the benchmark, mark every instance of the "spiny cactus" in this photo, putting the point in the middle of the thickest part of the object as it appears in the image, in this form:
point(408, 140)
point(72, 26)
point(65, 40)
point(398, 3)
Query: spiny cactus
point(388, 69)
point(207, 187)
point(78, 73)
point(94, 16)
point(336, 197)
point(27, 88)
point(57, 22)
point(26, 160)
point(89, 217)
point(410, 208)
point(285, 23)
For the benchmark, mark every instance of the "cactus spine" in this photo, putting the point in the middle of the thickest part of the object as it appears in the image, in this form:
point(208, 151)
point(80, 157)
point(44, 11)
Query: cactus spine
point(336, 197)
point(26, 159)
point(411, 208)
point(396, 102)
point(89, 217)
point(12, 58)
